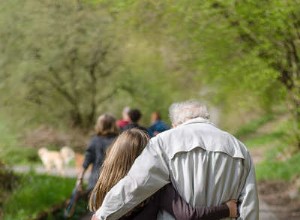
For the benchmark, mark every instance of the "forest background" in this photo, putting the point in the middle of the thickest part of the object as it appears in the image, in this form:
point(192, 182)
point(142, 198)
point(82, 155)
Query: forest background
point(62, 63)
point(65, 62)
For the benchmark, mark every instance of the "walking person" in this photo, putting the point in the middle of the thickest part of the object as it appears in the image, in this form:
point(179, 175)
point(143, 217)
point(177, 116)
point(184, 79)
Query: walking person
point(157, 125)
point(120, 157)
point(206, 165)
point(121, 123)
point(134, 117)
point(106, 132)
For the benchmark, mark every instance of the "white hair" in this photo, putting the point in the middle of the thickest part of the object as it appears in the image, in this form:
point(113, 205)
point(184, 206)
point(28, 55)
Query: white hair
point(182, 111)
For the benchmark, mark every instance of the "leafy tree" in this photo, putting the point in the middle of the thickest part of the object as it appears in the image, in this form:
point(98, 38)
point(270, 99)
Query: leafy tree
point(75, 59)
point(246, 52)
point(62, 58)
point(271, 31)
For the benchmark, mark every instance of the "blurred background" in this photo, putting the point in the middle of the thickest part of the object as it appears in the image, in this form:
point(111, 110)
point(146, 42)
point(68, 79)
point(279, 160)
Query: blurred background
point(63, 63)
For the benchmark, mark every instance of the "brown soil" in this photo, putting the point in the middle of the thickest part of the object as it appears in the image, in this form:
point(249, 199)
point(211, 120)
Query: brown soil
point(282, 197)
point(279, 195)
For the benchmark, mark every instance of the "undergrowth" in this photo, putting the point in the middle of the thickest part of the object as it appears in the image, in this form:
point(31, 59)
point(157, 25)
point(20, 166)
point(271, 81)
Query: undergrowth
point(35, 194)
point(11, 150)
point(252, 126)
point(280, 157)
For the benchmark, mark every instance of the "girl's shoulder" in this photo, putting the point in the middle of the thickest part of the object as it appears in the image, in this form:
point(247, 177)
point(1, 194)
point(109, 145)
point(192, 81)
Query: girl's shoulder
point(100, 139)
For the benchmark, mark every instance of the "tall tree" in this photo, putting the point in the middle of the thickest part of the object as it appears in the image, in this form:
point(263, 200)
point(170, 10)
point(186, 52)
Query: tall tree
point(271, 29)
point(63, 58)
point(245, 51)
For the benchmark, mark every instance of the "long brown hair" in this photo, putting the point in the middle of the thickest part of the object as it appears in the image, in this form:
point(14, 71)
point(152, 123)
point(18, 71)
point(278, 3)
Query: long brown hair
point(119, 159)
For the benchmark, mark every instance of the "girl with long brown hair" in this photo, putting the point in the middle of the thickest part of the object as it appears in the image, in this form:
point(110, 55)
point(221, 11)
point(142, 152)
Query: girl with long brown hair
point(119, 159)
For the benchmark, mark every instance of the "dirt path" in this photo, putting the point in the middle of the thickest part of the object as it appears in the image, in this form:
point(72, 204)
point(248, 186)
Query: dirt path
point(265, 211)
point(279, 196)
point(68, 171)
point(276, 197)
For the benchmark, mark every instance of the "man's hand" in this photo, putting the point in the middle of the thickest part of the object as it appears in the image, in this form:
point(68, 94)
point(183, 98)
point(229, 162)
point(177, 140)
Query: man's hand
point(232, 208)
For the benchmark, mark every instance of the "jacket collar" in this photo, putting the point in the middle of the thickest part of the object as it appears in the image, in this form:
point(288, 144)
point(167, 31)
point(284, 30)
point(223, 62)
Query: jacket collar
point(197, 120)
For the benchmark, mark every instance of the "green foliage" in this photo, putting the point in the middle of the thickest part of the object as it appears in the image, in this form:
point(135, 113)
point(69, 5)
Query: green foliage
point(270, 142)
point(243, 52)
point(81, 210)
point(71, 61)
point(252, 126)
point(36, 193)
point(265, 139)
point(19, 155)
point(11, 151)
point(272, 169)
point(8, 181)
point(68, 60)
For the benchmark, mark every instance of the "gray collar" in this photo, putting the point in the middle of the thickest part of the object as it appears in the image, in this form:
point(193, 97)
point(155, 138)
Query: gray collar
point(197, 120)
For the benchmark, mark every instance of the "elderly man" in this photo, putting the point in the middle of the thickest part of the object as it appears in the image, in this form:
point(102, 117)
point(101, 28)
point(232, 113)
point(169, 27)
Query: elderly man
point(205, 164)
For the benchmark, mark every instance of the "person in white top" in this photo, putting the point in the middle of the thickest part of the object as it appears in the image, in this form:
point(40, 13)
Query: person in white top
point(206, 165)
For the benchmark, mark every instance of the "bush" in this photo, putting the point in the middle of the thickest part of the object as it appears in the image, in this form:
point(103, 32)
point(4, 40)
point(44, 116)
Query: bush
point(251, 127)
point(8, 181)
point(36, 194)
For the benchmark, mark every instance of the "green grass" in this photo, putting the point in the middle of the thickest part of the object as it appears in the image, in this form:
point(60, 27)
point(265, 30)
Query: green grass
point(264, 139)
point(36, 193)
point(270, 169)
point(272, 143)
point(81, 209)
point(251, 127)
point(13, 155)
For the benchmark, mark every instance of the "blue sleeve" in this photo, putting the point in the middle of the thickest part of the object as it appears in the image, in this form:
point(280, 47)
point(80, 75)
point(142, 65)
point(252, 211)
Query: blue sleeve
point(151, 131)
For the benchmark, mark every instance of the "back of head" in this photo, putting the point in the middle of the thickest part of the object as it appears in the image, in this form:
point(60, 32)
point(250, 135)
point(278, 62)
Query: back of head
point(182, 111)
point(155, 116)
point(106, 125)
point(119, 159)
point(126, 148)
point(134, 115)
point(125, 113)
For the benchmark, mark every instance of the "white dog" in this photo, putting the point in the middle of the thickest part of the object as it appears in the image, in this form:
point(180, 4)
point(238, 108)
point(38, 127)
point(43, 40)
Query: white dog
point(56, 159)
point(67, 154)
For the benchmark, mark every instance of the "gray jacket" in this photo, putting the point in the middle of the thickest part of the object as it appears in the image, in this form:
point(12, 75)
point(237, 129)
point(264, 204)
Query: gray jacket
point(205, 164)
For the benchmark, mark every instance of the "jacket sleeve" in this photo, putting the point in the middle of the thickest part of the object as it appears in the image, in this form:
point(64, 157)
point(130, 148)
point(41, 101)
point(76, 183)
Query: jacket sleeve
point(147, 175)
point(248, 200)
point(89, 154)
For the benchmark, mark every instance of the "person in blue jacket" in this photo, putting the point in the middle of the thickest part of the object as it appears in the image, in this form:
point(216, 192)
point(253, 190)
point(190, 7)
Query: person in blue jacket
point(157, 125)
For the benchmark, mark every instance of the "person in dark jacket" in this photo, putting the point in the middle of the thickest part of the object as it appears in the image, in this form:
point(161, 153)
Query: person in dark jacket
point(134, 117)
point(121, 123)
point(157, 125)
point(106, 132)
